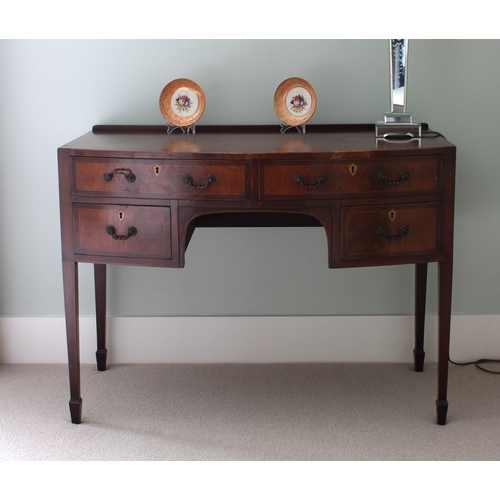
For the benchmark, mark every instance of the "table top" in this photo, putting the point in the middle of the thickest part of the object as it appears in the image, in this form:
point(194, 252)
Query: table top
point(321, 141)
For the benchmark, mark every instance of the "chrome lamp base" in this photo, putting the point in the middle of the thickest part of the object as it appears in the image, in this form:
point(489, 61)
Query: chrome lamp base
point(398, 126)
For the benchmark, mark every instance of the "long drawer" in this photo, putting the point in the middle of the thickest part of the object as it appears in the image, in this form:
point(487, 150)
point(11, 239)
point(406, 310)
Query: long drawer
point(390, 231)
point(365, 177)
point(166, 179)
point(122, 231)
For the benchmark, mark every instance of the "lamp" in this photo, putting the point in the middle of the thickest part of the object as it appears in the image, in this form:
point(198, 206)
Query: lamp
point(398, 123)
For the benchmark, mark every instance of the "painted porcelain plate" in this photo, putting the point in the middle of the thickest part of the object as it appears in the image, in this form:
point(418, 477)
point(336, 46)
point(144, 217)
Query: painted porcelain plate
point(182, 102)
point(294, 101)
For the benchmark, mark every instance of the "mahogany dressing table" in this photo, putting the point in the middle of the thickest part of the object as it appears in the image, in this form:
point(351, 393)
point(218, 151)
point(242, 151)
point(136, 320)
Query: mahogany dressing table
point(133, 195)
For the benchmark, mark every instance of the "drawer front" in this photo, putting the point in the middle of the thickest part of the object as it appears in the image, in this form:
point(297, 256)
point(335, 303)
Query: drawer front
point(175, 180)
point(367, 177)
point(390, 231)
point(122, 231)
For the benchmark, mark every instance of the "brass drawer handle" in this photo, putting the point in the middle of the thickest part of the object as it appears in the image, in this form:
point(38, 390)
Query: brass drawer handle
point(382, 176)
point(132, 231)
point(381, 231)
point(129, 175)
point(189, 180)
point(298, 179)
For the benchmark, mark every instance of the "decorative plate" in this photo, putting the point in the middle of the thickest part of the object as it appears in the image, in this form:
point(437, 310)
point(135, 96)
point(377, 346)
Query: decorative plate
point(182, 102)
point(294, 101)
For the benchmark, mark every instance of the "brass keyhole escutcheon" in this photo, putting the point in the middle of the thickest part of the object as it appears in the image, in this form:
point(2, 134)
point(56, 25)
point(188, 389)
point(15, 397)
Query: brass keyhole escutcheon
point(157, 170)
point(121, 215)
point(352, 169)
point(392, 215)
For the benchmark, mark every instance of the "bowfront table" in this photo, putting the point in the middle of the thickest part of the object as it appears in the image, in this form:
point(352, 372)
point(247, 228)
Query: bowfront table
point(133, 195)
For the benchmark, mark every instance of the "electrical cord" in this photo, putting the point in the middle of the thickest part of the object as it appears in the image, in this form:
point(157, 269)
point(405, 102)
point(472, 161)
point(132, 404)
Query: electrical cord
point(433, 134)
point(478, 364)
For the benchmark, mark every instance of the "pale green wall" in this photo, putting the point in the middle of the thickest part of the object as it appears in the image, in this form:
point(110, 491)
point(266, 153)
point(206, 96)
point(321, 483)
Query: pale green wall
point(54, 91)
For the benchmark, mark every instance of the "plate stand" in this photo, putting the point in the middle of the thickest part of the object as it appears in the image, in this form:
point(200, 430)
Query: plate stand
point(190, 128)
point(301, 129)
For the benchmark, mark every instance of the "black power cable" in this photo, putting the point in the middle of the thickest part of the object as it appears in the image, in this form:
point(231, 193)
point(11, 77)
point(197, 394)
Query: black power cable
point(431, 134)
point(478, 363)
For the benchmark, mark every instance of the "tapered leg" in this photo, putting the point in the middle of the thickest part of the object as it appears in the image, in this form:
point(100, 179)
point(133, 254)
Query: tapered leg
point(70, 281)
point(420, 296)
point(100, 306)
point(445, 286)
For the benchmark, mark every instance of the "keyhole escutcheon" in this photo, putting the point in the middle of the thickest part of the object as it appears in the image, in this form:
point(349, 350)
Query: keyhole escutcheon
point(121, 215)
point(352, 169)
point(392, 215)
point(157, 170)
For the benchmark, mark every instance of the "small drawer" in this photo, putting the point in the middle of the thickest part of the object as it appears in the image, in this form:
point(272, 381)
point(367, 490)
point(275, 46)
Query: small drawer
point(122, 231)
point(398, 230)
point(165, 179)
point(366, 177)
point(391, 176)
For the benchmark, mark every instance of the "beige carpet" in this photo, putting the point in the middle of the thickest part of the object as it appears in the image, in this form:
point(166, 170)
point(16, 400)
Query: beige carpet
point(321, 412)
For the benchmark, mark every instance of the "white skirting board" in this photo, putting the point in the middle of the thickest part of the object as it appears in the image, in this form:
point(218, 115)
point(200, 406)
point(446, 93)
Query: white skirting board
point(256, 339)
